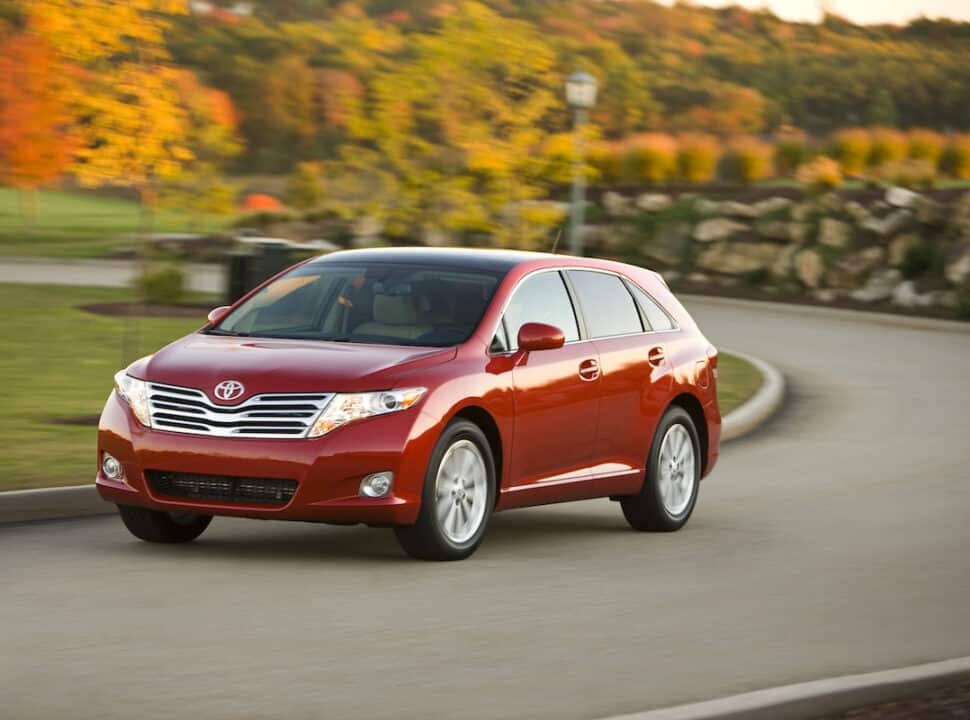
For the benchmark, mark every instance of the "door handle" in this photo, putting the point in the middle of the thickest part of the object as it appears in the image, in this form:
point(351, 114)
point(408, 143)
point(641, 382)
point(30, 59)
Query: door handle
point(589, 369)
point(655, 356)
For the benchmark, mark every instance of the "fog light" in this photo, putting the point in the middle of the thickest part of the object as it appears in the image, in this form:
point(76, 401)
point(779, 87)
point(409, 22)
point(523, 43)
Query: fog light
point(377, 485)
point(111, 468)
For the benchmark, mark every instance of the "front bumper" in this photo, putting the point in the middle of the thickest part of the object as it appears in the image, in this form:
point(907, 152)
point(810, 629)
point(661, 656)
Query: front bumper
point(327, 470)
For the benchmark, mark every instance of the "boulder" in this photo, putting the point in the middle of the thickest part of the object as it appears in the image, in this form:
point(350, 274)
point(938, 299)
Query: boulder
point(906, 295)
point(956, 267)
point(781, 230)
point(699, 278)
point(834, 233)
point(738, 258)
point(878, 287)
point(800, 212)
point(615, 203)
point(850, 270)
point(959, 224)
point(668, 245)
point(772, 205)
point(809, 268)
point(717, 229)
point(899, 246)
point(825, 295)
point(671, 277)
point(901, 197)
point(929, 212)
point(654, 202)
point(735, 209)
point(891, 224)
point(857, 211)
point(706, 207)
point(783, 263)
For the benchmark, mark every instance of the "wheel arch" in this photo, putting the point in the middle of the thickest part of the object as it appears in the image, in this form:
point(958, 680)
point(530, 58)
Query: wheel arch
point(692, 406)
point(484, 420)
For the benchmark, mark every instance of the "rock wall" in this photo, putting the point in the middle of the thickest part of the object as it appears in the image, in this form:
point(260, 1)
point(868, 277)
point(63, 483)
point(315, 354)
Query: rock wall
point(900, 248)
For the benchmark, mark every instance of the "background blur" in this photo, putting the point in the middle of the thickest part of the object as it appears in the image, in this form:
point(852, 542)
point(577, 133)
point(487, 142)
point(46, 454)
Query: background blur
point(158, 157)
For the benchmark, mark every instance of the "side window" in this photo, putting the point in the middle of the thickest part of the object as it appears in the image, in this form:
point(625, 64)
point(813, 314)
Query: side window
point(607, 305)
point(658, 319)
point(541, 298)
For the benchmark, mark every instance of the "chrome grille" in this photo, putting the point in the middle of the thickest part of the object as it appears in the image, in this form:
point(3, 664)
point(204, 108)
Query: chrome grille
point(271, 415)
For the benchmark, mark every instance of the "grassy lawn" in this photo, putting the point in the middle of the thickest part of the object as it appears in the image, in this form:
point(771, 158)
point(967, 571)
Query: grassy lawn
point(57, 363)
point(737, 380)
point(76, 225)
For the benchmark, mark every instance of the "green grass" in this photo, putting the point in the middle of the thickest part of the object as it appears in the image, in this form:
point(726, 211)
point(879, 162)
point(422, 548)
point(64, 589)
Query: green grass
point(737, 380)
point(79, 225)
point(57, 363)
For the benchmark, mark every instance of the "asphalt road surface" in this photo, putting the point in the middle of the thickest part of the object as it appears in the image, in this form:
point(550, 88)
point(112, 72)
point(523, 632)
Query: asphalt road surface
point(835, 541)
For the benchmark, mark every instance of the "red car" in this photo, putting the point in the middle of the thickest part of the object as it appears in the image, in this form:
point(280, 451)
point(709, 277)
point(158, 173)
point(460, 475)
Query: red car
point(420, 389)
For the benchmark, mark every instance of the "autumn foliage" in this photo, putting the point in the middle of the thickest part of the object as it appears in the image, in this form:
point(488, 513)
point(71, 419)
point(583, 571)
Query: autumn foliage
point(36, 140)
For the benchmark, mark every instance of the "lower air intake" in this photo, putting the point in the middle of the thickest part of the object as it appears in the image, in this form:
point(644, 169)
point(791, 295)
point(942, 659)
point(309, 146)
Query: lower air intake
point(221, 488)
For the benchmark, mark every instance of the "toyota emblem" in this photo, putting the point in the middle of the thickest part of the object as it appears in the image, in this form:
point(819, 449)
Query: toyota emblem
point(229, 390)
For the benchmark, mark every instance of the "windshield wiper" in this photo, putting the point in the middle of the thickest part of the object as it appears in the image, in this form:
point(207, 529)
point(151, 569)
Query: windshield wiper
point(226, 333)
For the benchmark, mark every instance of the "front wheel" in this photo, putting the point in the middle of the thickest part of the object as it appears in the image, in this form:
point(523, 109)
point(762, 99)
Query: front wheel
point(458, 496)
point(673, 475)
point(162, 527)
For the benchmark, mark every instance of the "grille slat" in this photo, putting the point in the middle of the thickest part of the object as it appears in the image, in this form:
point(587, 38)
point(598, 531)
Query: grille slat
point(221, 488)
point(270, 415)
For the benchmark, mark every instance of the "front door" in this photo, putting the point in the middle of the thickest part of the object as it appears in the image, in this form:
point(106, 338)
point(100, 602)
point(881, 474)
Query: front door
point(556, 391)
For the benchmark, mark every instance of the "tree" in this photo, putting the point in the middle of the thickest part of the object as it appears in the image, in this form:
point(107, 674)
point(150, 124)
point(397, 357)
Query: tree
point(460, 124)
point(36, 140)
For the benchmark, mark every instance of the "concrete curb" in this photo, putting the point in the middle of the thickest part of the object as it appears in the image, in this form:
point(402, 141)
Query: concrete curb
point(761, 406)
point(913, 322)
point(811, 700)
point(52, 503)
point(83, 500)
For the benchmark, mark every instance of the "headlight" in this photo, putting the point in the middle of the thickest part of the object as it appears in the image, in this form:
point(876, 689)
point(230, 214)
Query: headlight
point(345, 408)
point(134, 392)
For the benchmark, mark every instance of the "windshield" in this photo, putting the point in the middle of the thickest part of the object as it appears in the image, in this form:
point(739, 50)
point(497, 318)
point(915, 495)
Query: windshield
point(374, 302)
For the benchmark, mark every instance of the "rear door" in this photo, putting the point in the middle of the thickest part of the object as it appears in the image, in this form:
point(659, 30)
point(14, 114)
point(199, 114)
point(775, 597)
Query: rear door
point(635, 377)
point(556, 391)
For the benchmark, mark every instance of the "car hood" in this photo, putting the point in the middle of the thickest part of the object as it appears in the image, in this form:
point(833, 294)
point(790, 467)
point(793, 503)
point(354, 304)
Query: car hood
point(282, 365)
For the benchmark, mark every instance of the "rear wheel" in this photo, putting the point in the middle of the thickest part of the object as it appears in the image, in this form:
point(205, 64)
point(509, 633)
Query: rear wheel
point(458, 496)
point(162, 527)
point(673, 475)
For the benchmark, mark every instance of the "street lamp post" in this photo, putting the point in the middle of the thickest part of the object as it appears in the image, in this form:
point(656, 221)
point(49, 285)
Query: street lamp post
point(581, 96)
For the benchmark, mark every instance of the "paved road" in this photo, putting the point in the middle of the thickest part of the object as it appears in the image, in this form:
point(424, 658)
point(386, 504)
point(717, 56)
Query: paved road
point(836, 541)
point(100, 273)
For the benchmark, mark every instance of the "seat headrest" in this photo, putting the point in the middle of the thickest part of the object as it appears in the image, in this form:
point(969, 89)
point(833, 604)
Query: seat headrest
point(395, 310)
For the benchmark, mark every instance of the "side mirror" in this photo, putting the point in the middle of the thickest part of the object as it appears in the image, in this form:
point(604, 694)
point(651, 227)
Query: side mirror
point(539, 336)
point(216, 315)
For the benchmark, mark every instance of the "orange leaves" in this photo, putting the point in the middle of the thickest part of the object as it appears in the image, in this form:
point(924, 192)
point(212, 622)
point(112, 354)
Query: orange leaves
point(36, 143)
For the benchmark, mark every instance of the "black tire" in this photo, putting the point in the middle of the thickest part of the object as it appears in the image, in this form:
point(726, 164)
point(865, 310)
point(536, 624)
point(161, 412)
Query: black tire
point(646, 511)
point(425, 540)
point(162, 527)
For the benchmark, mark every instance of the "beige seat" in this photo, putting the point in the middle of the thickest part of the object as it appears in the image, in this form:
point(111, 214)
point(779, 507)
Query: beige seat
point(394, 316)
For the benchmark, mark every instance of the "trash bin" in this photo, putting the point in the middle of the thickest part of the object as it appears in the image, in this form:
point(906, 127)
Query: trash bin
point(249, 266)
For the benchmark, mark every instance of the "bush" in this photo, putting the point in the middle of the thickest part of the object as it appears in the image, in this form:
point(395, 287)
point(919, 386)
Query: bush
point(304, 189)
point(956, 156)
point(747, 160)
point(820, 175)
point(791, 151)
point(650, 158)
point(926, 145)
point(851, 148)
point(888, 146)
point(697, 157)
point(607, 160)
point(163, 285)
point(919, 259)
point(910, 173)
point(265, 218)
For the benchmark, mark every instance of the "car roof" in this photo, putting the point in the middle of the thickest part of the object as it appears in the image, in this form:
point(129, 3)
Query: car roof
point(471, 258)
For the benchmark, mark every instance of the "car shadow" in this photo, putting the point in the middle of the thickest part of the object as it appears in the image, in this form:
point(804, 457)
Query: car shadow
point(250, 541)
